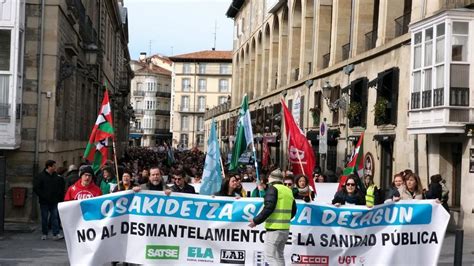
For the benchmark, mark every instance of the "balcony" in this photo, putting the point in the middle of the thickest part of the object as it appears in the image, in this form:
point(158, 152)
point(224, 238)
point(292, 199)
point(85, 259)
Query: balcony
point(162, 131)
point(163, 94)
point(441, 118)
point(192, 108)
point(370, 40)
point(138, 111)
point(401, 24)
point(162, 112)
point(136, 130)
point(139, 93)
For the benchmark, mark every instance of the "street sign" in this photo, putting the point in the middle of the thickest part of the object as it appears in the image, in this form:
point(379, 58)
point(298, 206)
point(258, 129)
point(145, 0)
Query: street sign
point(323, 138)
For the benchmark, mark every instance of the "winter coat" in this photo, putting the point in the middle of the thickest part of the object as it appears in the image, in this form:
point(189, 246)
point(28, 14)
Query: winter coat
point(406, 195)
point(49, 187)
point(71, 178)
point(342, 198)
point(186, 189)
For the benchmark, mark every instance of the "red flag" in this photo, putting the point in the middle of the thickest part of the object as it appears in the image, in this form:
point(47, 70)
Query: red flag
point(266, 152)
point(300, 153)
point(356, 163)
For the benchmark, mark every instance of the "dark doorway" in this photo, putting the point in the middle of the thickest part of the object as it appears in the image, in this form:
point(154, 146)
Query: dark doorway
point(456, 149)
point(386, 164)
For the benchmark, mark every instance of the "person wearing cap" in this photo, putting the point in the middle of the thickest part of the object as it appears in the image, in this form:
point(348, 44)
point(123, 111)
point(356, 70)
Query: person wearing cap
point(72, 176)
point(84, 188)
point(279, 208)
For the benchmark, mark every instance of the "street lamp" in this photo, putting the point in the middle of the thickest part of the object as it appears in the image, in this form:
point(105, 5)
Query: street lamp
point(340, 103)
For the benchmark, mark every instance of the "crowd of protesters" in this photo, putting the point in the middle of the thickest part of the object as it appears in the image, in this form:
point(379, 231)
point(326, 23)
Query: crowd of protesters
point(172, 171)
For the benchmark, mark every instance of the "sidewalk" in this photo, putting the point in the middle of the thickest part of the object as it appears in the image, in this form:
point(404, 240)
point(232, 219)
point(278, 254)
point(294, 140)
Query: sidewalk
point(447, 252)
point(21, 244)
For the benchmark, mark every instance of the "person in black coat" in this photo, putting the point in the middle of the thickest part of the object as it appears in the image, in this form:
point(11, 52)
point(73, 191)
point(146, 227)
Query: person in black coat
point(435, 190)
point(180, 184)
point(349, 194)
point(49, 187)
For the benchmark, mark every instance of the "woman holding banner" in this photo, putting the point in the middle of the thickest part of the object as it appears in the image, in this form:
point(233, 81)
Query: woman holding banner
point(229, 188)
point(413, 189)
point(302, 190)
point(349, 194)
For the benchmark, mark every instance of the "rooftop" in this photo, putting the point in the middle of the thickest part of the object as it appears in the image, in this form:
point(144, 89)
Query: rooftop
point(207, 55)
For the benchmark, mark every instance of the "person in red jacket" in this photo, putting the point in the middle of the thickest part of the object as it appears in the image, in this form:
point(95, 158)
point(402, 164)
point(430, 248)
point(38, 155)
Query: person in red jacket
point(84, 188)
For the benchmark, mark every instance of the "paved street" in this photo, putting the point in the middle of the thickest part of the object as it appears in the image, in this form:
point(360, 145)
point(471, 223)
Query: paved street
point(23, 246)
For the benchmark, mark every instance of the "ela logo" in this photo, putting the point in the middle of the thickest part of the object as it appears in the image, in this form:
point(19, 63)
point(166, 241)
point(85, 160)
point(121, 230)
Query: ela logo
point(159, 252)
point(233, 256)
point(200, 253)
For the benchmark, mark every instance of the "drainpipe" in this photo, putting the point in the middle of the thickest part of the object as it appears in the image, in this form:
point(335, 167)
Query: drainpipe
point(38, 94)
point(38, 114)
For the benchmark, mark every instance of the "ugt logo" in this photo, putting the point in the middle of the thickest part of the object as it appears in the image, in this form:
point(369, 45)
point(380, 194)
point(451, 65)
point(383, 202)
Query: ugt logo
point(233, 256)
point(200, 253)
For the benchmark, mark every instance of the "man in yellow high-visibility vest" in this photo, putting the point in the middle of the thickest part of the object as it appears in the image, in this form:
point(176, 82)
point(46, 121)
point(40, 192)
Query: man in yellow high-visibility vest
point(279, 208)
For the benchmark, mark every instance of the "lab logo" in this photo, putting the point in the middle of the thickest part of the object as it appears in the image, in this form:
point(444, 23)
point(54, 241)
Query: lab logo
point(160, 252)
point(232, 256)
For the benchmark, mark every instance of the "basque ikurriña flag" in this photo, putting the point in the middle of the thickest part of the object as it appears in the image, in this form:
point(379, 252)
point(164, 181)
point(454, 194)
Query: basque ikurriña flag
point(356, 164)
point(212, 173)
point(300, 153)
point(96, 150)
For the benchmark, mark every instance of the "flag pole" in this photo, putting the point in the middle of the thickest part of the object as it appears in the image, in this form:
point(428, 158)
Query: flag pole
point(255, 161)
point(222, 168)
point(116, 165)
point(302, 170)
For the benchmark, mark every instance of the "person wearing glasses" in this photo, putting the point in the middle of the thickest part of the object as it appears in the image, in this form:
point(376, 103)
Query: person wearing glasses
point(288, 181)
point(349, 194)
point(180, 184)
point(240, 189)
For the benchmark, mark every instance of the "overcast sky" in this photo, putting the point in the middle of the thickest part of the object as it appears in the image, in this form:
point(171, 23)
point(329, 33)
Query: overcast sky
point(177, 26)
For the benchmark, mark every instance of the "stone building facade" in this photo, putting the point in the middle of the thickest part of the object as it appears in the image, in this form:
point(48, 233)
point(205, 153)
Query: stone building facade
point(73, 50)
point(201, 80)
point(151, 101)
point(355, 65)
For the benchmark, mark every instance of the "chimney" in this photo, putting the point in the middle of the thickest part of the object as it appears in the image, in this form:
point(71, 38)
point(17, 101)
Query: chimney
point(142, 56)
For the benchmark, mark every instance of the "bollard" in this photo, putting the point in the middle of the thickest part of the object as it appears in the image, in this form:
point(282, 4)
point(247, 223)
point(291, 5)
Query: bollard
point(458, 246)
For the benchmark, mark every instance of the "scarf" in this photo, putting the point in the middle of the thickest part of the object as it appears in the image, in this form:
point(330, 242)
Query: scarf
point(303, 191)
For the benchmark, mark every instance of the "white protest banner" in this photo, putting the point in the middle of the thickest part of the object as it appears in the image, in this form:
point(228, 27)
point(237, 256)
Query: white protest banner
point(182, 229)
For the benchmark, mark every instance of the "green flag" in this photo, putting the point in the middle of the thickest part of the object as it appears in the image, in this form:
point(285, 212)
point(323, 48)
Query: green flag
point(243, 136)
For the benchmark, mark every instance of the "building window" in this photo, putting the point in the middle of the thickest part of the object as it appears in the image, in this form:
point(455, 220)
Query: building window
point(183, 140)
point(200, 123)
point(387, 91)
point(184, 103)
point(222, 99)
point(431, 65)
point(202, 68)
point(184, 123)
point(5, 42)
point(223, 85)
point(202, 85)
point(186, 68)
point(201, 103)
point(185, 84)
point(224, 69)
point(200, 140)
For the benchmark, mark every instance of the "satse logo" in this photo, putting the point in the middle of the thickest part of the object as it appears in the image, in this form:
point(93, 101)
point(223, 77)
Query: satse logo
point(310, 260)
point(233, 256)
point(159, 252)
